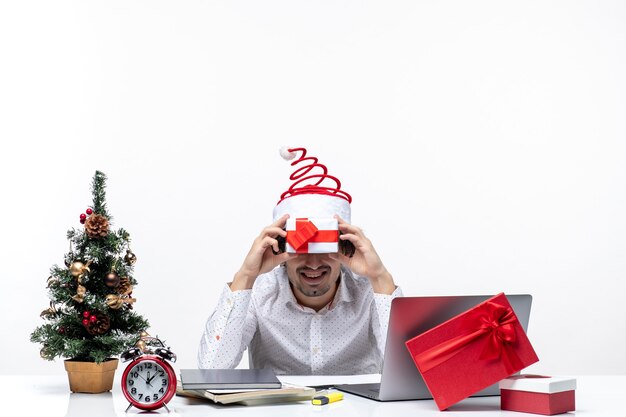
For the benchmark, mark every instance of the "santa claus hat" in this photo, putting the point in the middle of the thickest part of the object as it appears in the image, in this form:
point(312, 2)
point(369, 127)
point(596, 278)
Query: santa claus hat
point(313, 192)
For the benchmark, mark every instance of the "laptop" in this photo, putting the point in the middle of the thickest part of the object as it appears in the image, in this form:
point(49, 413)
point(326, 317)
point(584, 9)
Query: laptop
point(410, 316)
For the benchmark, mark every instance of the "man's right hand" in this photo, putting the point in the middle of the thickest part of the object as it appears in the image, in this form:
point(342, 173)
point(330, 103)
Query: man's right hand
point(261, 259)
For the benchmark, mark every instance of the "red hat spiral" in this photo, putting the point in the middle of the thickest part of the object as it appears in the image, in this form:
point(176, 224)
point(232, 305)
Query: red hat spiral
point(309, 177)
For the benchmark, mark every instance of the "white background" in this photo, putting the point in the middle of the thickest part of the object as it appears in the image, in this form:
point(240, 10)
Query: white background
point(483, 143)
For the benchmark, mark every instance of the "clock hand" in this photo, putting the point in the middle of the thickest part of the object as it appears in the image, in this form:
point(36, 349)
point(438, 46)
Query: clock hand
point(150, 378)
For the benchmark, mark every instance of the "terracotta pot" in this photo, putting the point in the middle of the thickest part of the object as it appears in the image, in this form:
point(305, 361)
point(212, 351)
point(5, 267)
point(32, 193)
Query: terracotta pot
point(91, 377)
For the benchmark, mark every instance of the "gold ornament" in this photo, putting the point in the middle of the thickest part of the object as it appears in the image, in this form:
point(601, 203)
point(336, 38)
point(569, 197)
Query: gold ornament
point(80, 293)
point(144, 334)
point(141, 345)
point(130, 257)
point(78, 269)
point(116, 301)
point(124, 290)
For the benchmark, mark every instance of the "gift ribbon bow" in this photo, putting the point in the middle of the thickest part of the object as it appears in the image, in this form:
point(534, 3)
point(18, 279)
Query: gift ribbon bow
point(307, 232)
point(493, 322)
point(116, 301)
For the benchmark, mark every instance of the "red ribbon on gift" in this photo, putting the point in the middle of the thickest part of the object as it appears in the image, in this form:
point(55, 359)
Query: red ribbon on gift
point(307, 232)
point(491, 321)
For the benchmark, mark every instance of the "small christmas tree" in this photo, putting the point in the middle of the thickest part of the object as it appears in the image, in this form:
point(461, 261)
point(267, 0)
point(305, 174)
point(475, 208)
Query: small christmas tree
point(91, 315)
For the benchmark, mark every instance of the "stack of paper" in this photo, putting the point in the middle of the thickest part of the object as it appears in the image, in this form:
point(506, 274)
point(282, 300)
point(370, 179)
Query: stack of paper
point(253, 396)
point(244, 386)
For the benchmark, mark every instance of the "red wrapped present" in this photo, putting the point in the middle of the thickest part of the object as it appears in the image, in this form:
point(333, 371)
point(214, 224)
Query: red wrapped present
point(471, 351)
point(315, 235)
point(538, 394)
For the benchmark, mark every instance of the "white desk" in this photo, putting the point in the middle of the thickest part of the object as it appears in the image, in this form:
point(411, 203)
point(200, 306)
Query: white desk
point(49, 396)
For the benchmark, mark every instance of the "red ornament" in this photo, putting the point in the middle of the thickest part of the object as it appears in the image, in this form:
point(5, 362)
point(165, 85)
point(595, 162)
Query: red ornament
point(86, 314)
point(61, 330)
point(82, 221)
point(85, 322)
point(93, 319)
point(83, 216)
point(89, 211)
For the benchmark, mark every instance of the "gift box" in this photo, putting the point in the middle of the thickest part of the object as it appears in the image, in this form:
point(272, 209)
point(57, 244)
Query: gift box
point(538, 394)
point(312, 235)
point(471, 351)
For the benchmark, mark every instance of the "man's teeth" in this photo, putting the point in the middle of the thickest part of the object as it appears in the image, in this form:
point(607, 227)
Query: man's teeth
point(313, 274)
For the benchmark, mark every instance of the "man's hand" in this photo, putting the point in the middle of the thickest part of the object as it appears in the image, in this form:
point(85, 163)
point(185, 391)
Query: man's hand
point(261, 259)
point(365, 260)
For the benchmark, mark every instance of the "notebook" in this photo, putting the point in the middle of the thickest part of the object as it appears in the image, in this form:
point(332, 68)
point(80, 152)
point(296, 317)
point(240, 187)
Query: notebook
point(208, 379)
point(410, 316)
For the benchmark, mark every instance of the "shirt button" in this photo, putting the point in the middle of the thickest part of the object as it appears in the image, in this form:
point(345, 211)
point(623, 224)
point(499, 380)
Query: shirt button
point(229, 301)
point(315, 351)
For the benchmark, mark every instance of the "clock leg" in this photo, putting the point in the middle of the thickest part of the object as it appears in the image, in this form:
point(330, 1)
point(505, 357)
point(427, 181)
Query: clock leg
point(165, 405)
point(128, 408)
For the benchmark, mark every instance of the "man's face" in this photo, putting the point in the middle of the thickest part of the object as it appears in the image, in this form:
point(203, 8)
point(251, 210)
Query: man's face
point(313, 275)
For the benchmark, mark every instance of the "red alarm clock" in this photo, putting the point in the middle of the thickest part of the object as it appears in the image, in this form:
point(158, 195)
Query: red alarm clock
point(149, 381)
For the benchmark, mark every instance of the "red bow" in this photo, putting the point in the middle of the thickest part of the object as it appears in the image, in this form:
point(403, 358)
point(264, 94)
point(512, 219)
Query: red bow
point(307, 232)
point(492, 321)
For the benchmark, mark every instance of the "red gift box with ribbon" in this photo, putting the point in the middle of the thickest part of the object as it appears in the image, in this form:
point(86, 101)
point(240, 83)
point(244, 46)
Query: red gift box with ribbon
point(471, 351)
point(312, 235)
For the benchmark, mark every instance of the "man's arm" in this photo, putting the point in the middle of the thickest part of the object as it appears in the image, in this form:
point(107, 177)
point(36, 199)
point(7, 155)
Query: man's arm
point(232, 325)
point(228, 331)
point(366, 262)
point(381, 308)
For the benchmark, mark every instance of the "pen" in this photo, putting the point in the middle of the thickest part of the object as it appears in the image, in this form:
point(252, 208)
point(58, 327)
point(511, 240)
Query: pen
point(327, 398)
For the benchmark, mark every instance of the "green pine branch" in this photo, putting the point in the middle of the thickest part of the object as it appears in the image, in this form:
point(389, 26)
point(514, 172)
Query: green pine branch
point(98, 187)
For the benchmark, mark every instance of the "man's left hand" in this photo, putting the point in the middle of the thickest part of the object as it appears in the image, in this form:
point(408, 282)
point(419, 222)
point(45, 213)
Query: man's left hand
point(365, 260)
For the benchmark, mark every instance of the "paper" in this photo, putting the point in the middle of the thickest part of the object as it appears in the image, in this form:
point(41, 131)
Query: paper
point(328, 380)
point(231, 391)
point(287, 393)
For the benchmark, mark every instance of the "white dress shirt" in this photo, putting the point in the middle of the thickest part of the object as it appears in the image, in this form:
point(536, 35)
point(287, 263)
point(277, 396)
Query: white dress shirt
point(345, 337)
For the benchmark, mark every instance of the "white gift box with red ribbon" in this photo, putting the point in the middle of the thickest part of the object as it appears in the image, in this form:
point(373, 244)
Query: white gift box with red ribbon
point(538, 394)
point(312, 235)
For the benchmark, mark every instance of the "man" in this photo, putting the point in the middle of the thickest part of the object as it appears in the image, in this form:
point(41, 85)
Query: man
point(304, 313)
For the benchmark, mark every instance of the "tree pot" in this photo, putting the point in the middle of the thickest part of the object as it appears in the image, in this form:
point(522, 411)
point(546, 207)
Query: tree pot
point(91, 377)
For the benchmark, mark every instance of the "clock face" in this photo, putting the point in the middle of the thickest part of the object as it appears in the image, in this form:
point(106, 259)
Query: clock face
point(149, 382)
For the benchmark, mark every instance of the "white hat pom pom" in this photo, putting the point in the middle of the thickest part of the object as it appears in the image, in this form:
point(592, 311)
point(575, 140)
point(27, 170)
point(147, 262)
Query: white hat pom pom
point(285, 154)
